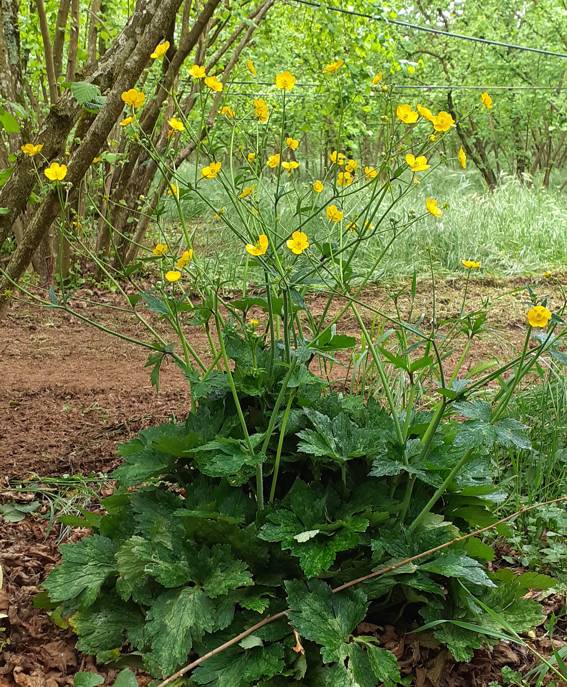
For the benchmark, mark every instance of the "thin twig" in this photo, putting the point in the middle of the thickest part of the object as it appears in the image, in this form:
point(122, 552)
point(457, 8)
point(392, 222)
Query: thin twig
point(377, 573)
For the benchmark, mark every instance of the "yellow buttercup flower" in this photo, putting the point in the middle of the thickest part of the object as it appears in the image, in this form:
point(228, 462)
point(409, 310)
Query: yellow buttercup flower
point(539, 316)
point(334, 214)
point(173, 190)
point(273, 160)
point(298, 242)
point(251, 157)
point(160, 249)
point(337, 158)
point(261, 109)
point(462, 157)
point(351, 165)
point(246, 191)
point(254, 322)
point(292, 143)
point(377, 78)
point(432, 207)
point(406, 115)
point(126, 121)
point(285, 81)
point(176, 124)
point(370, 172)
point(443, 121)
point(250, 67)
point(290, 166)
point(318, 186)
point(425, 112)
point(213, 83)
point(32, 149)
point(344, 178)
point(471, 264)
point(258, 248)
point(333, 67)
point(173, 275)
point(228, 112)
point(184, 259)
point(55, 172)
point(160, 50)
point(197, 71)
point(417, 164)
point(134, 98)
point(211, 170)
point(486, 100)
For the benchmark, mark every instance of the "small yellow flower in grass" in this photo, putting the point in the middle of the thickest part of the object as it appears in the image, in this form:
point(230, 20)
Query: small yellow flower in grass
point(176, 124)
point(486, 100)
point(462, 157)
point(251, 157)
point(160, 249)
point(432, 137)
point(406, 115)
point(274, 160)
point(351, 226)
point(258, 248)
point(173, 275)
point(370, 172)
point(333, 67)
point(298, 242)
point(432, 207)
point(471, 264)
point(160, 50)
point(184, 259)
point(351, 165)
point(197, 71)
point(134, 98)
point(292, 143)
point(334, 214)
point(547, 274)
point(318, 186)
point(425, 112)
point(173, 190)
point(290, 166)
point(32, 149)
point(55, 172)
point(246, 191)
point(213, 83)
point(344, 178)
point(261, 110)
point(228, 112)
point(254, 322)
point(443, 121)
point(377, 78)
point(250, 67)
point(417, 164)
point(337, 158)
point(126, 121)
point(285, 81)
point(538, 316)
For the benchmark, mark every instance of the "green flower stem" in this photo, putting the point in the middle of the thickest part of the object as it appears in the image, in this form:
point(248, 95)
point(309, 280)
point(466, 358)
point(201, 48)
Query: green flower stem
point(518, 376)
point(382, 374)
point(277, 406)
point(440, 490)
point(285, 420)
point(241, 418)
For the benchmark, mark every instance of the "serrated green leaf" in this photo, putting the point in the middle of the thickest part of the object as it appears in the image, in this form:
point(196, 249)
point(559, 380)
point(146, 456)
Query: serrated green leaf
point(85, 567)
point(235, 668)
point(323, 617)
point(460, 566)
point(174, 621)
point(125, 678)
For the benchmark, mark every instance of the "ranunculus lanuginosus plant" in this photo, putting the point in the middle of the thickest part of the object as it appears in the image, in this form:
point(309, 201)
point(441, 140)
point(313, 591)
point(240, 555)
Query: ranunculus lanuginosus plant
point(311, 456)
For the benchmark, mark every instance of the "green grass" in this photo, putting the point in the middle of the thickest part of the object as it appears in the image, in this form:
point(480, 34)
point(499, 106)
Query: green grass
point(514, 230)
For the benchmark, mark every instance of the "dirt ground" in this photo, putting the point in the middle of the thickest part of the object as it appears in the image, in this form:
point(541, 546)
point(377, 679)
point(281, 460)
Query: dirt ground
point(70, 393)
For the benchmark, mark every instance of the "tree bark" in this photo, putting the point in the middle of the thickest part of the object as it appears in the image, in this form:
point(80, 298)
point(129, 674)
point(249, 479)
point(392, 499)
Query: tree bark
point(59, 39)
point(91, 144)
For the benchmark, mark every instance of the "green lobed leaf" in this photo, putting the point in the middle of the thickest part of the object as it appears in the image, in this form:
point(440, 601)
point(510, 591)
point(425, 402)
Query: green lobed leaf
point(85, 567)
point(461, 566)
